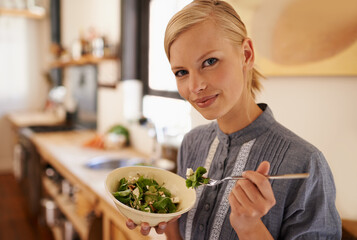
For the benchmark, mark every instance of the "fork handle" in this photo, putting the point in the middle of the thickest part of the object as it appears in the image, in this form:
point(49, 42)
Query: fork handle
point(283, 176)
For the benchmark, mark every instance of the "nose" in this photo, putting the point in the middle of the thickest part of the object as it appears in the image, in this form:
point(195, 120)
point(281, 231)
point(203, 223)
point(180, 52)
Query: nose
point(197, 83)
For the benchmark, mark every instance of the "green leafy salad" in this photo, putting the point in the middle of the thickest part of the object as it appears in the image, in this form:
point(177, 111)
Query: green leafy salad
point(195, 179)
point(146, 195)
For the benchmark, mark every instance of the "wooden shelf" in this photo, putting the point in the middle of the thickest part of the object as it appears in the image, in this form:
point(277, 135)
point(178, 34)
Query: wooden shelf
point(22, 13)
point(85, 60)
point(67, 207)
point(57, 233)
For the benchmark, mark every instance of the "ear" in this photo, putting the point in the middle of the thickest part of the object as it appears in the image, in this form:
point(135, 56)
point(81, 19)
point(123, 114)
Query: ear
point(248, 53)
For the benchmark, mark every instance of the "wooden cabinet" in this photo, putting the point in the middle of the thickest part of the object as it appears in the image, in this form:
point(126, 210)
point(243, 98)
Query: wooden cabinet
point(67, 207)
point(64, 154)
point(83, 204)
point(113, 223)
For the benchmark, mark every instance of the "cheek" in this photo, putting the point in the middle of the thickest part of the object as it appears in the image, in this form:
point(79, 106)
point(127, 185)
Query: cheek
point(231, 82)
point(224, 79)
point(182, 89)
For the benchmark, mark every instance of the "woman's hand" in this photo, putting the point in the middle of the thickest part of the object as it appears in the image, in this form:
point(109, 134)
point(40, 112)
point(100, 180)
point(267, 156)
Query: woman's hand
point(251, 199)
point(145, 227)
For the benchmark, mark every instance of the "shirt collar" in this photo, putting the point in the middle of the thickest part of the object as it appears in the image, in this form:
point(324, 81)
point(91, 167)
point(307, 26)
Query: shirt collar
point(253, 130)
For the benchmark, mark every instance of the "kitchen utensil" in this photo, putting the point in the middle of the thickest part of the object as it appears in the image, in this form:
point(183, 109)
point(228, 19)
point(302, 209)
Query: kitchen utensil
point(213, 182)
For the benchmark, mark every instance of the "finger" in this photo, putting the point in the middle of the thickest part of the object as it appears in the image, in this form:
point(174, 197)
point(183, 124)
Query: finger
point(258, 205)
point(251, 191)
point(160, 229)
point(130, 224)
point(263, 168)
point(259, 179)
point(234, 203)
point(145, 228)
point(242, 198)
point(261, 182)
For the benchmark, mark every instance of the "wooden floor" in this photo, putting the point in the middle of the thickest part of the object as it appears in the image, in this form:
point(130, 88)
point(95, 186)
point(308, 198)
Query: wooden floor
point(14, 223)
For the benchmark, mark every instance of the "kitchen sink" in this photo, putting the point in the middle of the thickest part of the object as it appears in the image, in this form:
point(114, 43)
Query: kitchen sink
point(105, 162)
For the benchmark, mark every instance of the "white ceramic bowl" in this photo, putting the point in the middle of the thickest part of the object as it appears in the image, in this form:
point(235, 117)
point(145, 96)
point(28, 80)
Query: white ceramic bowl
point(173, 182)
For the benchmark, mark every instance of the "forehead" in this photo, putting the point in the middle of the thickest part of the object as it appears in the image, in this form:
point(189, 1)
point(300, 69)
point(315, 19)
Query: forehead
point(201, 37)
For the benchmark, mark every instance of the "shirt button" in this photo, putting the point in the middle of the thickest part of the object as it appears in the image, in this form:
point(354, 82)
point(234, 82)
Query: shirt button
point(201, 227)
point(207, 206)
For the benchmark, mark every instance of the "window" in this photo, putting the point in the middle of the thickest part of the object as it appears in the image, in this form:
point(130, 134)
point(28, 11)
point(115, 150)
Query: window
point(162, 103)
point(161, 79)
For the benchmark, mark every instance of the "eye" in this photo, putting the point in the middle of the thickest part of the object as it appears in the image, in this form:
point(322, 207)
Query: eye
point(181, 73)
point(209, 62)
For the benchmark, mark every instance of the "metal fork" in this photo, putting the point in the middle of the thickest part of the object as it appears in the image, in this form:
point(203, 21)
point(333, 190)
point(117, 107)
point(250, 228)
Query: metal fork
point(213, 182)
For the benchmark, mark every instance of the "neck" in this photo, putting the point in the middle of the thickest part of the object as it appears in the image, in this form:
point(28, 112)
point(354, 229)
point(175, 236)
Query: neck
point(239, 118)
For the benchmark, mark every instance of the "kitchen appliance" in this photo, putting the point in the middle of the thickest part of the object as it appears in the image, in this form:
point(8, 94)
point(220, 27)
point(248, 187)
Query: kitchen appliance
point(81, 97)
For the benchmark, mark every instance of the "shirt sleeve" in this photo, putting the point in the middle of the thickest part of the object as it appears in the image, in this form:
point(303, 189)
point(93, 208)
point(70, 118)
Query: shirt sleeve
point(312, 213)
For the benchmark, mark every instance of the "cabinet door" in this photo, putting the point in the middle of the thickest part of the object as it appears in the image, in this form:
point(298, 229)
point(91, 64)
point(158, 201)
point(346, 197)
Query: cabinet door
point(118, 233)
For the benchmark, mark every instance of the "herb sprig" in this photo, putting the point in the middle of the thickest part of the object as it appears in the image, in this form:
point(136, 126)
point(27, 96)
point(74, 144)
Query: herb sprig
point(195, 179)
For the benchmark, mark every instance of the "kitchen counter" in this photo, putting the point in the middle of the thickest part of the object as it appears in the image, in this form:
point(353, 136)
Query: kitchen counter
point(64, 151)
point(34, 118)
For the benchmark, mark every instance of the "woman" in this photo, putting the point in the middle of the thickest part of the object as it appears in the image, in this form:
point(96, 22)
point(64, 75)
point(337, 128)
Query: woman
point(212, 59)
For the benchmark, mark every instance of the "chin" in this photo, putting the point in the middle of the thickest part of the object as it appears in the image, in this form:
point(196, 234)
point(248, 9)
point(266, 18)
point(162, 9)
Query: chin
point(209, 118)
point(207, 115)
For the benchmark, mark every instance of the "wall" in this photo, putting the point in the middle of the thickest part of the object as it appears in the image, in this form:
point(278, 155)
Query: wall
point(24, 48)
point(323, 111)
point(81, 15)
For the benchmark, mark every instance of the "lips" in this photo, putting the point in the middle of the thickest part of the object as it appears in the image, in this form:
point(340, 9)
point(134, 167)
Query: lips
point(205, 101)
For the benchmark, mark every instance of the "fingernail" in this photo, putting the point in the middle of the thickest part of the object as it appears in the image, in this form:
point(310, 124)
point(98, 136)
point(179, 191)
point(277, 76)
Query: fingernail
point(145, 228)
point(162, 226)
point(244, 173)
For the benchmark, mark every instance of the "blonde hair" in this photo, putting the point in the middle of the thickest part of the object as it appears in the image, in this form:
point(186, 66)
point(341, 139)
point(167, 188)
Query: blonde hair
point(224, 16)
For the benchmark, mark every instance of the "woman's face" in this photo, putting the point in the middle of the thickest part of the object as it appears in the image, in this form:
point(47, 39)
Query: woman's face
point(210, 72)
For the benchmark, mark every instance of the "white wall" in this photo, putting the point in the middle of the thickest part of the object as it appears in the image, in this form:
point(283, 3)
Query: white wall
point(323, 110)
point(80, 15)
point(24, 45)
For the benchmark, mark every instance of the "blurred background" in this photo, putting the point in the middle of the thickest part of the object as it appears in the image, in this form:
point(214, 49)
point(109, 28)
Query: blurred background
point(91, 64)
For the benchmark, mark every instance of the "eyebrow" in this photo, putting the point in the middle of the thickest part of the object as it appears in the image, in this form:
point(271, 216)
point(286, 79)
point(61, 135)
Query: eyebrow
point(198, 59)
point(205, 54)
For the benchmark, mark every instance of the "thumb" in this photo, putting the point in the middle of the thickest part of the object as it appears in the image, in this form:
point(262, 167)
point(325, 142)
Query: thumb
point(263, 168)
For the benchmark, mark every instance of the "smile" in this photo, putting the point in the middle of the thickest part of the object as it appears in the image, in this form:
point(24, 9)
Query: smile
point(206, 101)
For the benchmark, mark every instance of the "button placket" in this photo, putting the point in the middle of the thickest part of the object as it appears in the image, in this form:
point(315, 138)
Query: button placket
point(201, 227)
point(207, 206)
